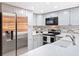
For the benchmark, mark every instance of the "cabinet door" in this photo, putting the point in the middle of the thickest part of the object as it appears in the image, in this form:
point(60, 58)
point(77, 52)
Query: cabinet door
point(30, 18)
point(35, 41)
point(34, 19)
point(30, 44)
point(40, 20)
point(40, 40)
point(63, 17)
point(35, 44)
point(30, 38)
point(75, 16)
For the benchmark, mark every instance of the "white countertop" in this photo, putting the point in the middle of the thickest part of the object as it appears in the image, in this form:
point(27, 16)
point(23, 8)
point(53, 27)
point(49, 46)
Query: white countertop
point(55, 49)
point(52, 50)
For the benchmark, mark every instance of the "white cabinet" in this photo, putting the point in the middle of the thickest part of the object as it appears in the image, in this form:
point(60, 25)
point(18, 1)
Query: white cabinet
point(30, 18)
point(34, 19)
point(30, 44)
point(37, 41)
point(40, 20)
point(30, 38)
point(75, 16)
point(63, 17)
point(40, 40)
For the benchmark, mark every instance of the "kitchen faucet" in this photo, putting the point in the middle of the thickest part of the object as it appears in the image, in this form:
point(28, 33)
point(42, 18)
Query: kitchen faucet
point(72, 38)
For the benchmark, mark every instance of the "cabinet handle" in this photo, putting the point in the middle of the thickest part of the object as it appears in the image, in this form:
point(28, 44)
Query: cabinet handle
point(11, 35)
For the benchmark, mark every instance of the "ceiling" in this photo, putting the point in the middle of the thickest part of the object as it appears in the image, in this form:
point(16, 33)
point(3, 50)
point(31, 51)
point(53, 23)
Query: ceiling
point(44, 7)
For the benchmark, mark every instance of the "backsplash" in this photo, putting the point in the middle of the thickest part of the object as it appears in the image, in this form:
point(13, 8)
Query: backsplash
point(64, 28)
point(40, 28)
point(74, 28)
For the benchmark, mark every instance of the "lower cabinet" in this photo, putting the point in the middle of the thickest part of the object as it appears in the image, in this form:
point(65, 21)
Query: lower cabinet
point(37, 41)
point(40, 40)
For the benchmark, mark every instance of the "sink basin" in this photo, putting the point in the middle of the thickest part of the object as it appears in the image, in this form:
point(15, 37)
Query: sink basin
point(66, 42)
point(63, 43)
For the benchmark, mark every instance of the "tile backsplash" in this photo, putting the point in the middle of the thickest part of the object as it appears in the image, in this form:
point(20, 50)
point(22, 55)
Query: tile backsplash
point(64, 28)
point(73, 28)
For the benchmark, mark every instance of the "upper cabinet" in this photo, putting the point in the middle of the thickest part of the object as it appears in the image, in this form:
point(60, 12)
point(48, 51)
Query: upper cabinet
point(63, 17)
point(30, 18)
point(74, 16)
point(40, 20)
point(34, 19)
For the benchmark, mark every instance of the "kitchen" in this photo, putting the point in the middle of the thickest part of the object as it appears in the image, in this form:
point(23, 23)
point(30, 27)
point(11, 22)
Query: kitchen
point(67, 25)
point(41, 31)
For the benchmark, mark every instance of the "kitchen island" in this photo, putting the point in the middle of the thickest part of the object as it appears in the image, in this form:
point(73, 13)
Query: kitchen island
point(59, 48)
point(52, 50)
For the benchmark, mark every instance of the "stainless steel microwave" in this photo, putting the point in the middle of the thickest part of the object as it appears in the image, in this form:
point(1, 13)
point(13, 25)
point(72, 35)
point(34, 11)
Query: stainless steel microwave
point(52, 21)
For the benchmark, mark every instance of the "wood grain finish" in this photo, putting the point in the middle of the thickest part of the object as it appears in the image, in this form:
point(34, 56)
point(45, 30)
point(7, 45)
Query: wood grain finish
point(8, 23)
